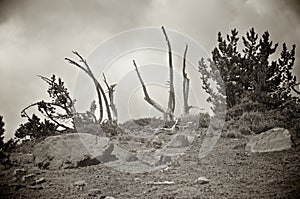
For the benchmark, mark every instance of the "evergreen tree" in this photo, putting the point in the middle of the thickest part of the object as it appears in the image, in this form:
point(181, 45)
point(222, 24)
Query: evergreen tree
point(2, 130)
point(4, 156)
point(35, 128)
point(251, 75)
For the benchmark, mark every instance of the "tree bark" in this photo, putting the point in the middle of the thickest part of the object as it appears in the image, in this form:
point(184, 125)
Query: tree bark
point(171, 102)
point(98, 86)
point(146, 95)
point(186, 85)
point(111, 90)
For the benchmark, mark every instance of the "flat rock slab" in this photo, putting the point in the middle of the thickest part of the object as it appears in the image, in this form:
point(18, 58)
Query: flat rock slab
point(276, 139)
point(72, 150)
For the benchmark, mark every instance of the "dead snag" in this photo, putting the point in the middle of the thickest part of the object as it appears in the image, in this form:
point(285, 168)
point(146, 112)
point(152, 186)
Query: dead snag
point(98, 86)
point(171, 102)
point(146, 95)
point(111, 89)
point(186, 84)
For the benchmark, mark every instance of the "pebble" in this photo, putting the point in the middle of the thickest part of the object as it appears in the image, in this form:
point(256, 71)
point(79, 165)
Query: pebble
point(94, 192)
point(202, 180)
point(40, 181)
point(28, 177)
point(80, 184)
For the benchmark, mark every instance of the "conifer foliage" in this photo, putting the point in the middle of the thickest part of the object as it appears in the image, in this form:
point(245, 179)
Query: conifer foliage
point(250, 74)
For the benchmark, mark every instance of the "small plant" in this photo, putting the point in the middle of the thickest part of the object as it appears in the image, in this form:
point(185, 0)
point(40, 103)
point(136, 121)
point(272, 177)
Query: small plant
point(245, 130)
point(143, 121)
point(233, 134)
point(204, 120)
point(262, 121)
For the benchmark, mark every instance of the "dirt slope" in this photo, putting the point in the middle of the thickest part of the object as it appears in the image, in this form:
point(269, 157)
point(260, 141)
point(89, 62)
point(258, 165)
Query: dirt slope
point(233, 173)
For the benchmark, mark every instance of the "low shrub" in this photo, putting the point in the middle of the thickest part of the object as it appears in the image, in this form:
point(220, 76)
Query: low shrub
point(233, 134)
point(143, 121)
point(262, 121)
point(245, 130)
point(204, 120)
point(91, 128)
point(243, 107)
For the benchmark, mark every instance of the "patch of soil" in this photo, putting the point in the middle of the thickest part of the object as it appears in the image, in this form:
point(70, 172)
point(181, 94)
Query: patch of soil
point(232, 173)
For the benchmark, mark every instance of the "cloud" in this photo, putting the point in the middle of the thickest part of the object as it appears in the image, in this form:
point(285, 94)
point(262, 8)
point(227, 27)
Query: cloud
point(35, 35)
point(202, 20)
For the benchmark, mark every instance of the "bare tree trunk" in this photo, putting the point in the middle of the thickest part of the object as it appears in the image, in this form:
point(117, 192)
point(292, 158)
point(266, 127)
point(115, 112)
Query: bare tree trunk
point(171, 102)
point(111, 90)
point(186, 85)
point(98, 86)
point(146, 95)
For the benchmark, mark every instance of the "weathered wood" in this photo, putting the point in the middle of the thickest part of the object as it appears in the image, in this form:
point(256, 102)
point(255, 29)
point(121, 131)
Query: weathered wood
point(147, 97)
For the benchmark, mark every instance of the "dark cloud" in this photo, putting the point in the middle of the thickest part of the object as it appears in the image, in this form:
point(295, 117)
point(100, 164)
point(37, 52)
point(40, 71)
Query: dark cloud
point(35, 35)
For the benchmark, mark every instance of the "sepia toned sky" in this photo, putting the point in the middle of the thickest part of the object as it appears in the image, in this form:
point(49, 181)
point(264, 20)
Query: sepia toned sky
point(36, 35)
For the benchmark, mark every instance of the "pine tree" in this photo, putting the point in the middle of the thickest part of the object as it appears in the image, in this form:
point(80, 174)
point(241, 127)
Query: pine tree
point(2, 131)
point(251, 75)
point(228, 62)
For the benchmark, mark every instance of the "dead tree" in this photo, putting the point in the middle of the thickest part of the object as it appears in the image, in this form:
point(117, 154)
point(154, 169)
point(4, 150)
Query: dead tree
point(146, 95)
point(111, 89)
point(186, 85)
point(169, 113)
point(99, 89)
point(171, 102)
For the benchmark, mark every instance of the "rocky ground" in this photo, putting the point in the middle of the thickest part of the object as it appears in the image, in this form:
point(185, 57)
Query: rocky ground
point(228, 171)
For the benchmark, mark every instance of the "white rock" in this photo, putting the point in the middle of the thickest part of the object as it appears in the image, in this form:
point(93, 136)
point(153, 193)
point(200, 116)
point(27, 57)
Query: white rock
point(19, 171)
point(40, 181)
point(80, 185)
point(276, 139)
point(162, 183)
point(72, 150)
point(202, 180)
point(179, 140)
point(131, 157)
point(28, 178)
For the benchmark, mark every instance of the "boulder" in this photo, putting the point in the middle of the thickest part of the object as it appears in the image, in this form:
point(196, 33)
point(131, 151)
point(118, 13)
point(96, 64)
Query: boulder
point(179, 140)
point(164, 159)
point(72, 150)
point(131, 157)
point(276, 139)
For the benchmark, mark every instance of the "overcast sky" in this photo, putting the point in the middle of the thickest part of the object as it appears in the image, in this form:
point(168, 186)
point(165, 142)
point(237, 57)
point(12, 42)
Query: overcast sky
point(36, 35)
